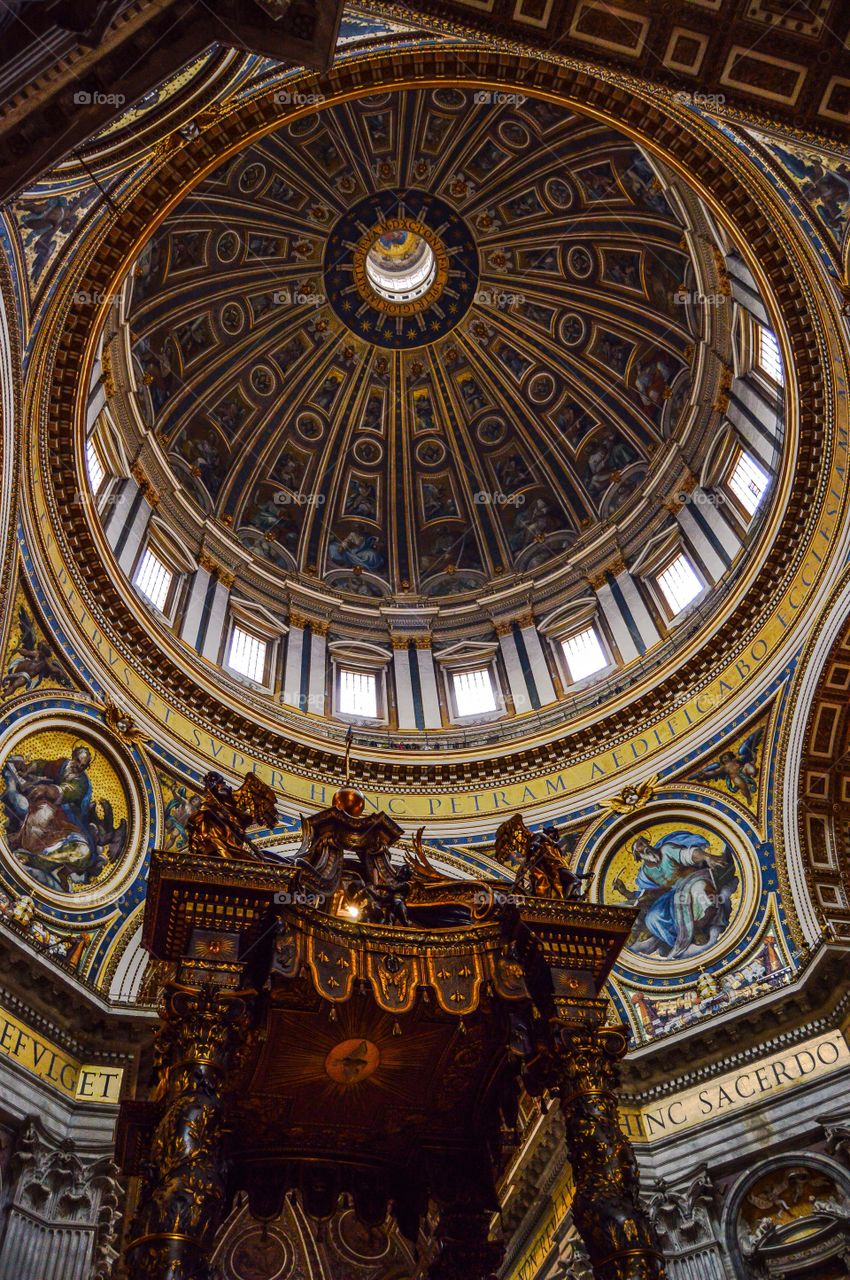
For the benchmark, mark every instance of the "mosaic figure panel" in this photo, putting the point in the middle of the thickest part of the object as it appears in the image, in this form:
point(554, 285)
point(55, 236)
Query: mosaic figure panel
point(66, 810)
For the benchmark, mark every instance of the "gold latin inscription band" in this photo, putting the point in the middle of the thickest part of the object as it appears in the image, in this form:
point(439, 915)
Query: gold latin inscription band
point(737, 1089)
point(45, 1060)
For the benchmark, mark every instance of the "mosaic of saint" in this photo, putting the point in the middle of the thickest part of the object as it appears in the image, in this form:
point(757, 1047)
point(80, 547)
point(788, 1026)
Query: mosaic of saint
point(685, 882)
point(65, 810)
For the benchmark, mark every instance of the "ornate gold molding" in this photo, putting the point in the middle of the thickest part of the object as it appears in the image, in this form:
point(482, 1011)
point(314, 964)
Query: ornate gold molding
point(724, 179)
point(140, 476)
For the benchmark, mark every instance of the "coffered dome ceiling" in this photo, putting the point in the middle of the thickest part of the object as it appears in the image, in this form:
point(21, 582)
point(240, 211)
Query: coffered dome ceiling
point(417, 342)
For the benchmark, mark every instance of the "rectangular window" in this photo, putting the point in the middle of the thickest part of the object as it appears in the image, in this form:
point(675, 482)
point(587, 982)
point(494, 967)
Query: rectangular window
point(96, 469)
point(584, 654)
point(358, 693)
point(153, 579)
point(769, 359)
point(679, 583)
point(747, 481)
point(247, 654)
point(474, 693)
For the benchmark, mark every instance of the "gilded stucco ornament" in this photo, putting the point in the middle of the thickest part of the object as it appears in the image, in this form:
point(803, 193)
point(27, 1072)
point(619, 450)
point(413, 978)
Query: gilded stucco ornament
point(632, 797)
point(122, 723)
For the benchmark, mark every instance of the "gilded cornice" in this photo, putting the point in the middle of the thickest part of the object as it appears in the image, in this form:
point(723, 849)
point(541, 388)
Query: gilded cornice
point(10, 453)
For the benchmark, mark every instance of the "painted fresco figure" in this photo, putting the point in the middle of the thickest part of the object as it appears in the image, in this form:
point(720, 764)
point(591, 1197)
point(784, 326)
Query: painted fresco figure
point(684, 892)
point(738, 768)
point(180, 808)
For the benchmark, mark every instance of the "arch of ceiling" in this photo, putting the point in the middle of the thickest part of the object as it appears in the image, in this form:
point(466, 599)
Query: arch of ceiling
point(815, 799)
point(10, 394)
point(719, 675)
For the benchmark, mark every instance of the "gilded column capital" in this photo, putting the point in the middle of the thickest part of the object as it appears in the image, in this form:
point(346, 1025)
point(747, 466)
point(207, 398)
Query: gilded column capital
point(226, 577)
point(598, 575)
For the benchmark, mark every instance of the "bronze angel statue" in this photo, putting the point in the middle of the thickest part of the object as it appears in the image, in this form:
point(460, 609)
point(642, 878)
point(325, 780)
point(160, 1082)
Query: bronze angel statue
point(542, 868)
point(219, 827)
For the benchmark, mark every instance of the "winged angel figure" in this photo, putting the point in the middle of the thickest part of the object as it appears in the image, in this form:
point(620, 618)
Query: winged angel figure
point(218, 828)
point(631, 798)
point(31, 662)
point(738, 769)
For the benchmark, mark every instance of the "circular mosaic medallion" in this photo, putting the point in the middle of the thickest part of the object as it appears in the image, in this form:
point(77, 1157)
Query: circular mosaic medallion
point(559, 192)
point(572, 329)
point(430, 452)
point(252, 177)
point(309, 427)
point(368, 452)
point(263, 380)
point(361, 1242)
point(694, 881)
point(491, 431)
point(449, 99)
point(401, 268)
point(542, 388)
point(579, 262)
point(70, 812)
point(232, 318)
point(227, 246)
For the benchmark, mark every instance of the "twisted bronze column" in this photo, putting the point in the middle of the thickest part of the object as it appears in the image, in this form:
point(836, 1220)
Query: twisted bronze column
point(607, 1210)
point(466, 1252)
point(183, 1195)
point(463, 1190)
